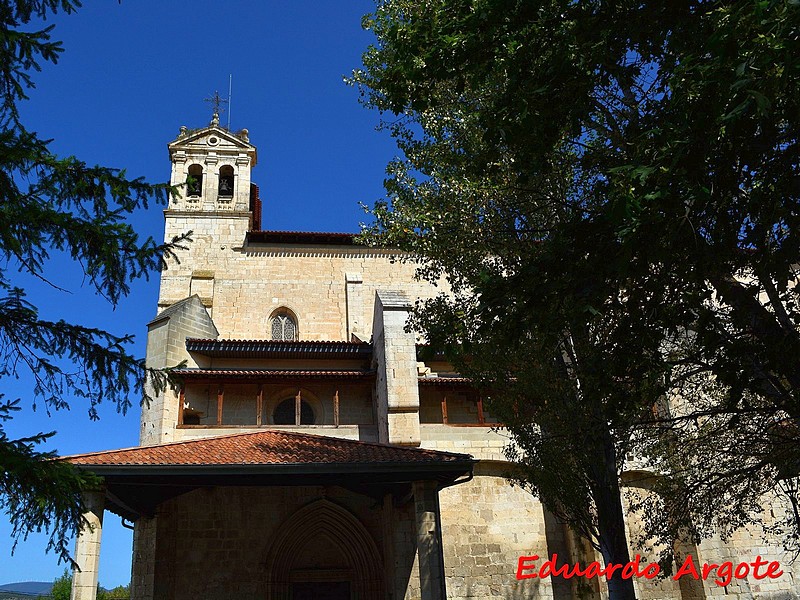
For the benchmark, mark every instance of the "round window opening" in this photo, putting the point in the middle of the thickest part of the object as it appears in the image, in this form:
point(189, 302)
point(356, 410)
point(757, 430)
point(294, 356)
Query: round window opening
point(284, 413)
point(213, 141)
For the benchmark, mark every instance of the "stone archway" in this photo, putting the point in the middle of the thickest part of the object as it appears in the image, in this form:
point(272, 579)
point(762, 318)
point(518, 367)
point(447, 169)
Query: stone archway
point(640, 483)
point(323, 548)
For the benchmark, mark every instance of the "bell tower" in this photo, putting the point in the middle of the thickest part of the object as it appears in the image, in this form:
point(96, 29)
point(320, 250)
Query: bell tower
point(216, 202)
point(219, 205)
point(211, 167)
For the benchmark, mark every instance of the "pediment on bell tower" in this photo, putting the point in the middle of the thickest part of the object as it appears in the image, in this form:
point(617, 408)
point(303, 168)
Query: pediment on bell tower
point(211, 170)
point(213, 139)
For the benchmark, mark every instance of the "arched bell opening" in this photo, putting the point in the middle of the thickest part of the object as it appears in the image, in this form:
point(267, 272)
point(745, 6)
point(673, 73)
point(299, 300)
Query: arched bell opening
point(225, 187)
point(194, 181)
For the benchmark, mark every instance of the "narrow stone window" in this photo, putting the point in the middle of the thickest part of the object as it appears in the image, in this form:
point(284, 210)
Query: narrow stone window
point(225, 189)
point(284, 327)
point(194, 183)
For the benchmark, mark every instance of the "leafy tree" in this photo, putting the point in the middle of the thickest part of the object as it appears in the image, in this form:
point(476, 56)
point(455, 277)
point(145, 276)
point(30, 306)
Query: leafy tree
point(51, 204)
point(62, 590)
point(612, 190)
point(121, 592)
point(62, 587)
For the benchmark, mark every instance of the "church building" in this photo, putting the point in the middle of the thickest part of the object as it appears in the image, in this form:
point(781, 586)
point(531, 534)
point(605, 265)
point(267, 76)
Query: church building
point(313, 448)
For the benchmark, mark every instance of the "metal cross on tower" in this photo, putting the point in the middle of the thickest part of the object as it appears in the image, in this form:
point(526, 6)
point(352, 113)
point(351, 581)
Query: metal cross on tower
point(216, 103)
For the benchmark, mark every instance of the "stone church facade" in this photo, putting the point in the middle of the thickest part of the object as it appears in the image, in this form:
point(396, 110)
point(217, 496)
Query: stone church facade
point(313, 449)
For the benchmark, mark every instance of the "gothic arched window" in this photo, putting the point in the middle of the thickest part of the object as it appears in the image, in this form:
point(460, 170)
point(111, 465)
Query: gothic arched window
point(284, 327)
point(194, 183)
point(225, 188)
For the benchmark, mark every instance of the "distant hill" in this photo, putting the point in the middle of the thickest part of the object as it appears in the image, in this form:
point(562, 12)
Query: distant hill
point(24, 590)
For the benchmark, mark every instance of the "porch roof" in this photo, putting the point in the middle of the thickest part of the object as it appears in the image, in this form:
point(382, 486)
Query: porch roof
point(138, 479)
point(272, 447)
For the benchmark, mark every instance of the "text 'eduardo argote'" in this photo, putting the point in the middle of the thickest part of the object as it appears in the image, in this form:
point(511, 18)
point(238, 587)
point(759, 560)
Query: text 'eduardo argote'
point(722, 574)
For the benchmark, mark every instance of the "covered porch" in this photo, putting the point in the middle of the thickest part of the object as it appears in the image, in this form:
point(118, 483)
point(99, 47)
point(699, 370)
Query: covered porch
point(274, 514)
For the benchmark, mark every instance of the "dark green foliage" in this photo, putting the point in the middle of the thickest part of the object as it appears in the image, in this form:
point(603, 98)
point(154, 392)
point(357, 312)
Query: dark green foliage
point(39, 493)
point(59, 205)
point(612, 190)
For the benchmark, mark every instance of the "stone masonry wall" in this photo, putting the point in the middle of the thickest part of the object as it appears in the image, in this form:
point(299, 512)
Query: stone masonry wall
point(482, 443)
point(312, 281)
point(743, 546)
point(219, 539)
point(486, 526)
point(144, 556)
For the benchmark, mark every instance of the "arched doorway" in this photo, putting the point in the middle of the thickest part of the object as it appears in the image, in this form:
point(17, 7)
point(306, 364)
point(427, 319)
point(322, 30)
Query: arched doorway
point(323, 552)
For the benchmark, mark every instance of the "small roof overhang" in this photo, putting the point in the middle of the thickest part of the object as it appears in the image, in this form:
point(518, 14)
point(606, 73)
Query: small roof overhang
point(279, 349)
point(445, 381)
point(302, 237)
point(270, 374)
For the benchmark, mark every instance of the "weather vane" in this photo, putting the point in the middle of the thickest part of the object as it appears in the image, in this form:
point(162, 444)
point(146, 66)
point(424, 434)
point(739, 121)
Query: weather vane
point(216, 103)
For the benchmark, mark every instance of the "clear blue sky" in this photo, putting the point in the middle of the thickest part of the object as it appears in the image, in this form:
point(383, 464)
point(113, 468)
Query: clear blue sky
point(130, 76)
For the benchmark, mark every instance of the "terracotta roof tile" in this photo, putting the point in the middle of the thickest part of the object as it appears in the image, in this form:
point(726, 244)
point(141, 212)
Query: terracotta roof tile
point(265, 448)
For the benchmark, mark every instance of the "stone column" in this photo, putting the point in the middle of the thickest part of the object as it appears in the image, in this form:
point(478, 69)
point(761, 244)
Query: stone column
point(87, 548)
point(242, 186)
point(211, 181)
point(429, 541)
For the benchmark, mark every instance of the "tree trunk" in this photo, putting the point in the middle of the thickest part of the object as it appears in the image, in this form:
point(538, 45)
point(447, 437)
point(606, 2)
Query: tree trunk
point(611, 519)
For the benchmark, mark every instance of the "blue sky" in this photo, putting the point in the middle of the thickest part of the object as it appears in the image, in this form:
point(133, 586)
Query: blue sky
point(130, 76)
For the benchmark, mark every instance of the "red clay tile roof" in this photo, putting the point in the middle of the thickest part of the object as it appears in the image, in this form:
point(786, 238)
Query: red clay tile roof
point(265, 448)
point(270, 374)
